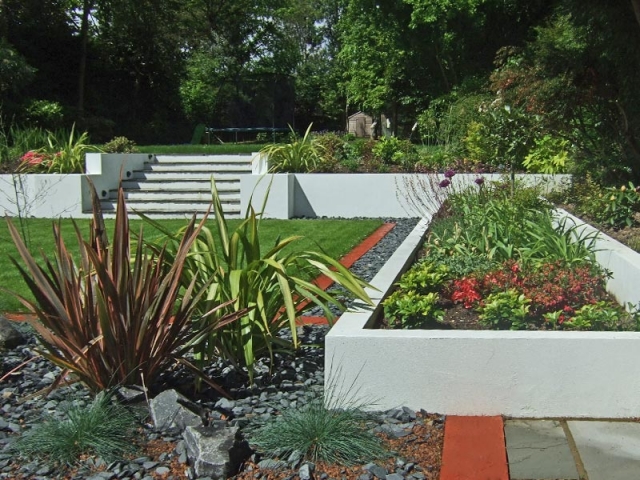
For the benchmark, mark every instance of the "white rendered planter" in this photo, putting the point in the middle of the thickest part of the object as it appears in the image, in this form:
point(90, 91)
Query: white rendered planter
point(519, 374)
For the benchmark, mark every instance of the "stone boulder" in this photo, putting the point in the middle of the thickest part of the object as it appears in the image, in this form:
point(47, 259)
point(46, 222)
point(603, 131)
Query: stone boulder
point(172, 411)
point(215, 451)
point(9, 336)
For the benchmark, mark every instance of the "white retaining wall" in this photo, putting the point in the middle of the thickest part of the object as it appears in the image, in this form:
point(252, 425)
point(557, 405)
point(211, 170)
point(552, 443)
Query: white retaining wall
point(41, 195)
point(359, 194)
point(514, 373)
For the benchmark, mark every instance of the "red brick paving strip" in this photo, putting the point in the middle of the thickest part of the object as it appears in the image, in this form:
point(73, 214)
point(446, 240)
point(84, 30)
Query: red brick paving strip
point(347, 261)
point(474, 449)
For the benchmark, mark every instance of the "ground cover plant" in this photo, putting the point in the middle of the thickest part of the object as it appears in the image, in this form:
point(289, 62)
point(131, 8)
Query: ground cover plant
point(496, 258)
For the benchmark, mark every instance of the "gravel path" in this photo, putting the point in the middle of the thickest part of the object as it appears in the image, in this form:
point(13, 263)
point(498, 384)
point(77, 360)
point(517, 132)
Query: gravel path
point(295, 381)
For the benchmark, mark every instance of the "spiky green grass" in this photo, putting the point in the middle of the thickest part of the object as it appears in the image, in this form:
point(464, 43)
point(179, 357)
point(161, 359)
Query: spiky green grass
point(321, 432)
point(102, 428)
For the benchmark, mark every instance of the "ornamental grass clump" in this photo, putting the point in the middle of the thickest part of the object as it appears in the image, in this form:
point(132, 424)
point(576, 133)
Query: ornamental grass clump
point(103, 428)
point(332, 432)
point(116, 316)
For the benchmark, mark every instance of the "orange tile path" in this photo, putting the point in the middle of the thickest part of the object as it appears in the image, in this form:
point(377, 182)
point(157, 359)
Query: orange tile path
point(347, 261)
point(474, 449)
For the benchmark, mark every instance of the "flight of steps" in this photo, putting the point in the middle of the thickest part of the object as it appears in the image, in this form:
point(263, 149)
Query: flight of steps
point(172, 186)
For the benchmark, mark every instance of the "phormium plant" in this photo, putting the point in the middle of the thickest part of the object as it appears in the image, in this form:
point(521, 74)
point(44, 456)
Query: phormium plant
point(116, 317)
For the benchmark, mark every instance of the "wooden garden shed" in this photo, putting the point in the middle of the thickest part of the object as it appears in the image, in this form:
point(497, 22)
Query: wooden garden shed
point(359, 124)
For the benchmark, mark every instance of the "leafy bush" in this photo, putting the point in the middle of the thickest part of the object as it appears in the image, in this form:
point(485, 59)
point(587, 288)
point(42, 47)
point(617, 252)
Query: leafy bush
point(45, 114)
point(621, 206)
point(103, 428)
point(113, 319)
point(236, 270)
point(501, 136)
point(301, 155)
point(410, 309)
point(549, 155)
point(393, 151)
point(120, 145)
point(506, 309)
point(331, 149)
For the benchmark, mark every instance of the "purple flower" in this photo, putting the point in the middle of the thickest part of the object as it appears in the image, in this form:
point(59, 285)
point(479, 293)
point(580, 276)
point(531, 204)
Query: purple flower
point(479, 180)
point(449, 174)
point(445, 183)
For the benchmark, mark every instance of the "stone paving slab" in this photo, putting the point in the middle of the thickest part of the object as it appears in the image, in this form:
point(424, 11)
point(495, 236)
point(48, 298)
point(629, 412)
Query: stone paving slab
point(609, 450)
point(539, 449)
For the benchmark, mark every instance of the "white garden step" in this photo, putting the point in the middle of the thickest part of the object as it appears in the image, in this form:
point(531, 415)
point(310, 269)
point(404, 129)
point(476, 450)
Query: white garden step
point(188, 207)
point(169, 197)
point(218, 159)
point(185, 176)
point(169, 185)
point(197, 167)
point(176, 186)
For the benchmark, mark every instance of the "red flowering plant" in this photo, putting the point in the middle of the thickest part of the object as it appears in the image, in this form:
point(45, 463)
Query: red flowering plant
point(34, 161)
point(465, 291)
point(556, 291)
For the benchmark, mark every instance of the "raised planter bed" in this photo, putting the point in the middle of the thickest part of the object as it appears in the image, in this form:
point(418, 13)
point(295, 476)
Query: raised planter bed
point(515, 373)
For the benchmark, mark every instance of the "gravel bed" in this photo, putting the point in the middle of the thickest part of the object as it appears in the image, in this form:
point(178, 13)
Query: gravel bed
point(294, 382)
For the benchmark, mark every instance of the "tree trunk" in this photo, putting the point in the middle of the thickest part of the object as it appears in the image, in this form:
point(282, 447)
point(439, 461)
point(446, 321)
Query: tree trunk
point(84, 42)
point(636, 9)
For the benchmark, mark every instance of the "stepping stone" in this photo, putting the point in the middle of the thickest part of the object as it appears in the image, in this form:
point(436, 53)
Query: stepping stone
point(474, 449)
point(609, 450)
point(538, 449)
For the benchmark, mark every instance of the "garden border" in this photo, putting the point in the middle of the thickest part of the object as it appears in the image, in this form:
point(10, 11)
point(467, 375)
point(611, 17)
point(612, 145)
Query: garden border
point(532, 374)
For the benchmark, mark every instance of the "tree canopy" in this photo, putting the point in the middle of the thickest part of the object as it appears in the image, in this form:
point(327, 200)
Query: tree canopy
point(153, 69)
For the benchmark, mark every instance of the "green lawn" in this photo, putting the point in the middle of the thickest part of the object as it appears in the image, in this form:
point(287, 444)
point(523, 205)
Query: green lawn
point(226, 149)
point(334, 237)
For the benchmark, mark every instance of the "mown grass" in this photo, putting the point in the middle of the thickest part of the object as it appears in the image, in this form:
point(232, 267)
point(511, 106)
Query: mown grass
point(187, 149)
point(335, 237)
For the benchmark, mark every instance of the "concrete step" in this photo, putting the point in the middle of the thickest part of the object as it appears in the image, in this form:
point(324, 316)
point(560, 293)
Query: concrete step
point(197, 167)
point(170, 207)
point(172, 197)
point(218, 159)
point(184, 176)
point(181, 186)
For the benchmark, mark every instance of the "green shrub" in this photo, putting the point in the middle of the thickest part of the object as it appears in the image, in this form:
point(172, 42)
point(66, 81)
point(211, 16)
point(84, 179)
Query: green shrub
point(120, 145)
point(103, 428)
point(45, 114)
point(621, 205)
point(392, 151)
point(331, 151)
point(549, 155)
point(410, 309)
point(424, 277)
point(503, 310)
